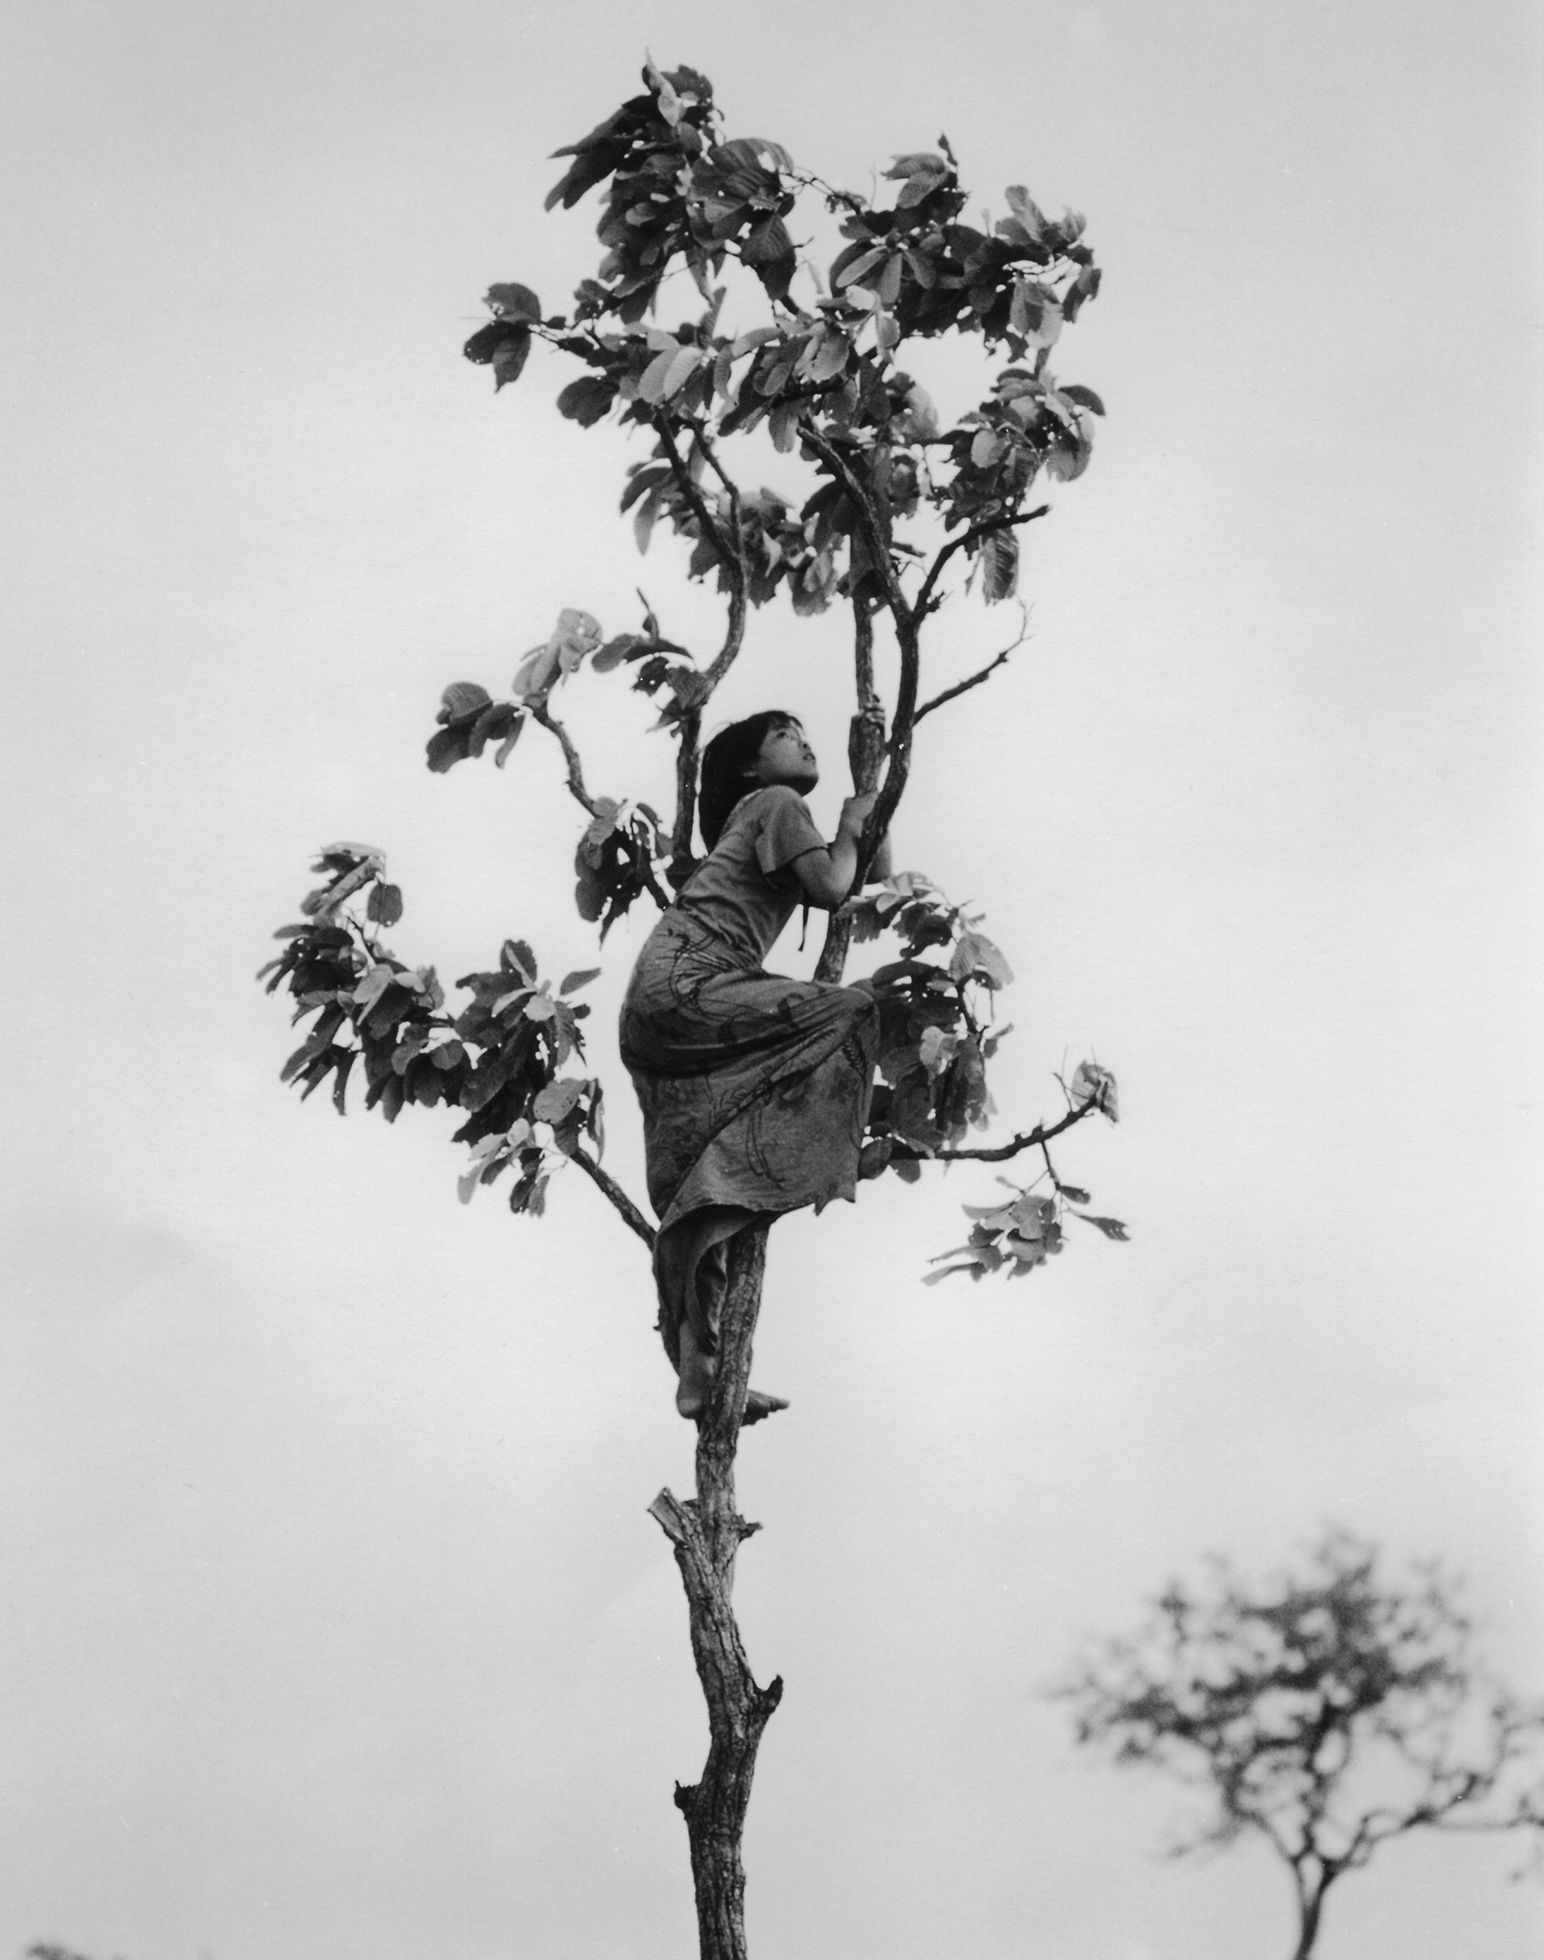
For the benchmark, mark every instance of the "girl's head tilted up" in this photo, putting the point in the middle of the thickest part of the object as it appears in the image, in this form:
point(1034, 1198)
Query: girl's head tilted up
point(748, 755)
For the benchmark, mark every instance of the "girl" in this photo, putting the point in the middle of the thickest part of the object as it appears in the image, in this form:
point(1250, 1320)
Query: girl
point(754, 1088)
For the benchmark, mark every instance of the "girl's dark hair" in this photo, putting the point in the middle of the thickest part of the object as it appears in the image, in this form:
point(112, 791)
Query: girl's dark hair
point(724, 762)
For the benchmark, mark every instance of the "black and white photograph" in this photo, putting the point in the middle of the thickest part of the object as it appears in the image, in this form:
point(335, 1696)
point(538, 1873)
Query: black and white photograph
point(774, 834)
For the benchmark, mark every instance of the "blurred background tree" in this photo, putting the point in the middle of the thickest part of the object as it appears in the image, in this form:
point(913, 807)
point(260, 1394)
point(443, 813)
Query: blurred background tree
point(1327, 1711)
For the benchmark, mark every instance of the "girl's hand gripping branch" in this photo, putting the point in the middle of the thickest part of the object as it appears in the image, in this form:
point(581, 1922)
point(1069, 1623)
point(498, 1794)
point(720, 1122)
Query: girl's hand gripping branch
point(827, 877)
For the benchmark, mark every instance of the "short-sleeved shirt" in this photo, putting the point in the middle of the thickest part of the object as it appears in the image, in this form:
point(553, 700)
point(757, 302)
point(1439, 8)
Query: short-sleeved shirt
point(745, 891)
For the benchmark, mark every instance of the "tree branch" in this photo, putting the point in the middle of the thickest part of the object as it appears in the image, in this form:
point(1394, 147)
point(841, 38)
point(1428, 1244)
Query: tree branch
point(975, 680)
point(906, 620)
point(1042, 1133)
point(631, 1216)
point(878, 544)
point(732, 558)
point(863, 658)
point(926, 603)
point(731, 553)
point(539, 711)
point(865, 752)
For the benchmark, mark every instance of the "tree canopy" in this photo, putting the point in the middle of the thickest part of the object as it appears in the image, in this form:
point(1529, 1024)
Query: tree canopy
point(896, 499)
point(1327, 1711)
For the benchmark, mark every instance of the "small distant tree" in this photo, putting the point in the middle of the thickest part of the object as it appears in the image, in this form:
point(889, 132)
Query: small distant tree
point(1326, 1711)
point(885, 501)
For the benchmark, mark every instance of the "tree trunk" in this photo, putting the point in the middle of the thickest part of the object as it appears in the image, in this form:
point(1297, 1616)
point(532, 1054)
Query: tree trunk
point(706, 1532)
point(1310, 1910)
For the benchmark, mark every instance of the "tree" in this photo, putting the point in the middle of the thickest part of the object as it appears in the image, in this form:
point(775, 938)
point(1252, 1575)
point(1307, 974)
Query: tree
point(1327, 1712)
point(895, 502)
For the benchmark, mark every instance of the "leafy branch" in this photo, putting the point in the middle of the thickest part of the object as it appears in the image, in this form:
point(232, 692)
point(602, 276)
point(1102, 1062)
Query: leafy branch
point(499, 1059)
point(820, 371)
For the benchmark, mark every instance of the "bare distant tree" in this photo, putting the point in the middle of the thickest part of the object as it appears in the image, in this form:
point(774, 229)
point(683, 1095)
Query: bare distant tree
point(1327, 1711)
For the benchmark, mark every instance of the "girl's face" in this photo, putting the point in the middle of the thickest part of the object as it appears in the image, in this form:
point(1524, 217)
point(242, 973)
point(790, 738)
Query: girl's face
point(785, 756)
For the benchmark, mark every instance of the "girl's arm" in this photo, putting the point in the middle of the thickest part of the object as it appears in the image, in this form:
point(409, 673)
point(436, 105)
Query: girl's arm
point(826, 877)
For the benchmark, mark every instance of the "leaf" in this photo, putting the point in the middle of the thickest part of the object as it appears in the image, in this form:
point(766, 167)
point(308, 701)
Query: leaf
point(651, 384)
point(644, 519)
point(681, 370)
point(385, 904)
point(463, 701)
point(1112, 1228)
point(937, 1049)
point(495, 720)
point(1025, 209)
point(1074, 1194)
point(922, 173)
point(831, 356)
point(513, 302)
point(1066, 464)
point(765, 245)
point(614, 652)
point(1084, 397)
point(1093, 1083)
point(783, 426)
point(587, 400)
point(445, 749)
point(589, 892)
point(553, 1103)
point(502, 753)
point(373, 985)
point(509, 357)
point(486, 342)
point(1034, 1217)
point(999, 566)
point(921, 415)
point(540, 1007)
point(976, 958)
point(572, 982)
point(536, 672)
point(985, 448)
point(851, 275)
point(515, 956)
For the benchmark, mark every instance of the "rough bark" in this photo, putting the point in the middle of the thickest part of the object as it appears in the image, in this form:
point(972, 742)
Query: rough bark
point(705, 1532)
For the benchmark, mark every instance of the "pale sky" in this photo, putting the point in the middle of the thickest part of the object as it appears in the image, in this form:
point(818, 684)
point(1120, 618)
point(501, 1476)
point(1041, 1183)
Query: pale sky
point(333, 1621)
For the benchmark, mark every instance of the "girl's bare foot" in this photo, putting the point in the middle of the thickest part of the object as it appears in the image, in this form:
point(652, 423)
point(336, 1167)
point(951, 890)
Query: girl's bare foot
point(697, 1379)
point(758, 1405)
point(692, 1402)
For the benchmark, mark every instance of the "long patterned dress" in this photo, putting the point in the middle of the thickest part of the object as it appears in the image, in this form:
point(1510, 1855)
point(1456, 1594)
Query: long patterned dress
point(754, 1088)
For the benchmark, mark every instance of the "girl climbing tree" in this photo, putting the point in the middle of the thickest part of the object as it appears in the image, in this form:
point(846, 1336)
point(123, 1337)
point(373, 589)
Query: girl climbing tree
point(760, 1094)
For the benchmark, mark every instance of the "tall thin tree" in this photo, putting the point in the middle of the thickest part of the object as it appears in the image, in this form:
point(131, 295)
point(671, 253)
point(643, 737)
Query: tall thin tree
point(896, 502)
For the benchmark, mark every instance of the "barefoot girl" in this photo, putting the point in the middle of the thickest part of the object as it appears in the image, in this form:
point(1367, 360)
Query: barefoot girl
point(754, 1088)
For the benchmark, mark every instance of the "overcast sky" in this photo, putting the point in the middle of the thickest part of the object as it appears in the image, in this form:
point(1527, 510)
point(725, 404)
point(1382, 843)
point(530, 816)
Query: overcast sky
point(333, 1623)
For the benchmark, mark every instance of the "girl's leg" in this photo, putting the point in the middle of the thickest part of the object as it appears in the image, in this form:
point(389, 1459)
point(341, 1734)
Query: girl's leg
point(692, 1263)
